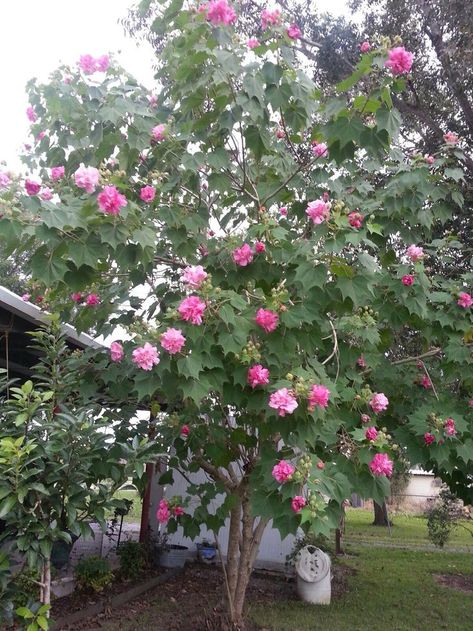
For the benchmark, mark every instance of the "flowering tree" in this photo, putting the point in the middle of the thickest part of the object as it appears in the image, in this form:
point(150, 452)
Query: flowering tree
point(269, 253)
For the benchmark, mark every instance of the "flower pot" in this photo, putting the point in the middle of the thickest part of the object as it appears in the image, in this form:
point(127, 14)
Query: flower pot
point(207, 553)
point(313, 576)
point(174, 556)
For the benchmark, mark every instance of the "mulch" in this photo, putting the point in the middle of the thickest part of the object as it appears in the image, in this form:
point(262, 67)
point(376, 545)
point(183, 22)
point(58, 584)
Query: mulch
point(460, 582)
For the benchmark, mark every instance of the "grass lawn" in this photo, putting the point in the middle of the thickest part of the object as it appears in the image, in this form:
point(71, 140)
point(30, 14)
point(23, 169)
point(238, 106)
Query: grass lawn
point(393, 590)
point(408, 529)
point(134, 515)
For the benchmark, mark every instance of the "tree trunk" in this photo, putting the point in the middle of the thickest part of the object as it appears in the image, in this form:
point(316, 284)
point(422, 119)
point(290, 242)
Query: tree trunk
point(381, 514)
point(45, 594)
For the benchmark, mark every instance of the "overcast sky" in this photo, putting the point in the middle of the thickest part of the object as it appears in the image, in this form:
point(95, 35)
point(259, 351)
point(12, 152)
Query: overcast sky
point(36, 36)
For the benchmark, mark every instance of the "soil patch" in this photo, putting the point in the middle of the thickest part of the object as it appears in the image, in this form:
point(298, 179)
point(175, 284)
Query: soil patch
point(192, 601)
point(460, 582)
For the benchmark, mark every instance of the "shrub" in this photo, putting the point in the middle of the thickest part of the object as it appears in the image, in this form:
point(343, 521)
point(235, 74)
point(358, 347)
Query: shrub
point(93, 573)
point(25, 585)
point(441, 518)
point(133, 557)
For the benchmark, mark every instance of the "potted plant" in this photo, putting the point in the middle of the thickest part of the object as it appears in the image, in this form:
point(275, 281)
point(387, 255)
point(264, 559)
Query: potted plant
point(207, 552)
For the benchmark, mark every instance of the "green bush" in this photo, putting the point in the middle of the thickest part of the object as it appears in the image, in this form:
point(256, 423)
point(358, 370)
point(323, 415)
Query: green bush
point(26, 588)
point(93, 573)
point(133, 558)
point(441, 518)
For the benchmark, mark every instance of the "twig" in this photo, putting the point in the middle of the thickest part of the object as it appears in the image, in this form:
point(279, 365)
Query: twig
point(227, 585)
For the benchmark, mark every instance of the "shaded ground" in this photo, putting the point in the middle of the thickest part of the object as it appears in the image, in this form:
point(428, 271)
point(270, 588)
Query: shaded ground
point(455, 581)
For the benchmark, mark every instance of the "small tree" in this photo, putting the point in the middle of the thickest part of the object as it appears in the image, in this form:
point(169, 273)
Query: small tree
point(256, 232)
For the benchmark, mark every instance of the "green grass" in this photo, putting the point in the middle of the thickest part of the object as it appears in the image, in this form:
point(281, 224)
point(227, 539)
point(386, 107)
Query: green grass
point(393, 590)
point(406, 529)
point(134, 515)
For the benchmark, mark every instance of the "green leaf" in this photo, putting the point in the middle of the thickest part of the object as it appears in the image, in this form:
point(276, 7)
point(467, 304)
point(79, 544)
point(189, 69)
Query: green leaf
point(390, 120)
point(24, 612)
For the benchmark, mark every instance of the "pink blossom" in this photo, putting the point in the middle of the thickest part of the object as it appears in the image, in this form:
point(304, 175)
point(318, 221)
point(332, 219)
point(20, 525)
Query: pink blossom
point(220, 12)
point(318, 211)
point(464, 300)
point(110, 200)
point(41, 135)
point(152, 100)
point(76, 297)
point(193, 276)
point(470, 403)
point(361, 362)
point(185, 431)
point(191, 309)
point(177, 511)
point(57, 173)
point(450, 138)
point(87, 178)
point(365, 418)
point(371, 433)
point(283, 211)
point(298, 503)
point(32, 187)
point(399, 60)
point(280, 133)
point(294, 32)
point(92, 300)
point(326, 196)
point(87, 64)
point(102, 63)
point(321, 465)
point(158, 133)
point(270, 18)
point(258, 375)
point(282, 471)
point(4, 179)
point(429, 438)
point(267, 319)
point(46, 194)
point(429, 159)
point(425, 382)
point(26, 297)
point(243, 255)
point(146, 356)
point(365, 47)
point(172, 340)
point(31, 114)
point(319, 149)
point(381, 465)
point(259, 247)
point(318, 397)
point(449, 427)
point(252, 43)
point(283, 401)
point(68, 79)
point(379, 402)
point(147, 193)
point(355, 219)
point(163, 513)
point(408, 280)
point(202, 8)
point(116, 352)
point(415, 253)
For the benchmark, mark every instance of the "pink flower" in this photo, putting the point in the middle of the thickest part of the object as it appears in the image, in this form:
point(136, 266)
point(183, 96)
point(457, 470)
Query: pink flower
point(152, 100)
point(116, 352)
point(449, 427)
point(57, 173)
point(163, 513)
point(294, 32)
point(185, 431)
point(146, 356)
point(326, 196)
point(470, 403)
point(32, 187)
point(318, 211)
point(243, 256)
point(267, 319)
point(429, 438)
point(283, 401)
point(110, 200)
point(4, 179)
point(46, 194)
point(415, 253)
point(298, 503)
point(68, 79)
point(92, 300)
point(319, 149)
point(193, 276)
point(172, 340)
point(379, 402)
point(355, 219)
point(365, 418)
point(177, 511)
point(318, 397)
point(283, 211)
point(220, 12)
point(41, 135)
point(31, 114)
point(147, 193)
point(450, 138)
point(191, 309)
point(361, 362)
point(252, 43)
point(321, 465)
point(425, 382)
point(26, 297)
point(381, 465)
point(87, 64)
point(76, 297)
point(399, 60)
point(258, 376)
point(158, 133)
point(371, 434)
point(282, 471)
point(102, 63)
point(260, 247)
point(464, 300)
point(429, 159)
point(365, 47)
point(280, 133)
point(87, 178)
point(270, 18)
point(408, 280)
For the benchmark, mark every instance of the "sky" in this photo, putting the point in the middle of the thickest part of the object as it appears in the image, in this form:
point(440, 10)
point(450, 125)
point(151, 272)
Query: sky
point(37, 36)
